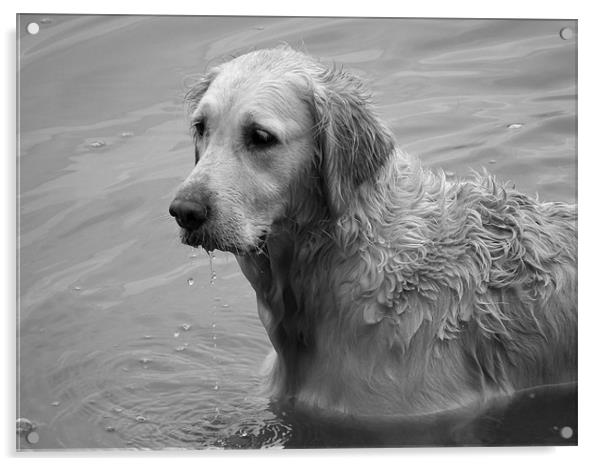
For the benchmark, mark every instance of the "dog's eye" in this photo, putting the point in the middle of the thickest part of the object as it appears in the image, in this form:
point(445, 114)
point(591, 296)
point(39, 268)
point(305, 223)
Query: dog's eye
point(199, 128)
point(261, 138)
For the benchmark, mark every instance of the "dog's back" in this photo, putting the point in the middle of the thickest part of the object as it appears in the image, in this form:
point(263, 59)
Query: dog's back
point(464, 291)
point(521, 328)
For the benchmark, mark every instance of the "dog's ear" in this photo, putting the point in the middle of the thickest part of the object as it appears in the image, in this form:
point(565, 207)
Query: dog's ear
point(194, 96)
point(198, 89)
point(352, 143)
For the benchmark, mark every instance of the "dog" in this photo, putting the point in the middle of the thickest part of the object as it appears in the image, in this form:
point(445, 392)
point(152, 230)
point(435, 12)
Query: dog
point(384, 287)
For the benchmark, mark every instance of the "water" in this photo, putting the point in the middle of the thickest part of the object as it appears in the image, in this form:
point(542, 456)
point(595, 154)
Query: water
point(105, 283)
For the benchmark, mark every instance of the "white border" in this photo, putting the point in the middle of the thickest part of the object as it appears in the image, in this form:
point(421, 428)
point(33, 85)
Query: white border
point(589, 224)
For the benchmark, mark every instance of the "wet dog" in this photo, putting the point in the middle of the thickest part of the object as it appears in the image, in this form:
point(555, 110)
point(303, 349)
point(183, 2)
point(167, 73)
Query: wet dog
point(384, 288)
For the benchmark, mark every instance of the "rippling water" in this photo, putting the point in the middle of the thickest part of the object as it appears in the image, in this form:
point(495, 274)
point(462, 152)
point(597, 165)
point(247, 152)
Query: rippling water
point(125, 341)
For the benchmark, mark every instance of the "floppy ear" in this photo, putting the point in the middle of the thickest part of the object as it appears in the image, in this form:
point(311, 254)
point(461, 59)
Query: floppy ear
point(352, 143)
point(198, 89)
point(194, 96)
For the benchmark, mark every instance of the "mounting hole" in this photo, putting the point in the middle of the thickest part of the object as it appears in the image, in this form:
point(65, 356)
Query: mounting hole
point(566, 33)
point(33, 28)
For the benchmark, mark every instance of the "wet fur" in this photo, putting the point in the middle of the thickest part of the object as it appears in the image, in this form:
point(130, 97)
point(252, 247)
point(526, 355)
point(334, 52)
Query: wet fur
point(386, 288)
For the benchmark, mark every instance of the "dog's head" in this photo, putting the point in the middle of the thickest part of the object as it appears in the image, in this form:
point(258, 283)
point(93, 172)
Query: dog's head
point(270, 127)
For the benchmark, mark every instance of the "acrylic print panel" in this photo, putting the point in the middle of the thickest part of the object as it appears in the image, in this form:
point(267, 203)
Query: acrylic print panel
point(128, 338)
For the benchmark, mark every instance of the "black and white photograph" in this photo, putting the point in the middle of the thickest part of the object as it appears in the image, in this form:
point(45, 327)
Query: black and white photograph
point(293, 232)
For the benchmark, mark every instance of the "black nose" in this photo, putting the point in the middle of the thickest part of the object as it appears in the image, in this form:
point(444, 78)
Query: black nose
point(189, 214)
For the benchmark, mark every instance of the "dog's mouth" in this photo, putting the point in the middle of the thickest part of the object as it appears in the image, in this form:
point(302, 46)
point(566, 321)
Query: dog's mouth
point(199, 238)
point(196, 238)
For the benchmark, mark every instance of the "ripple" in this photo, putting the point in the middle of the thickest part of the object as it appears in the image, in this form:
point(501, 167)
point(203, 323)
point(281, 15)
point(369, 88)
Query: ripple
point(166, 398)
point(97, 144)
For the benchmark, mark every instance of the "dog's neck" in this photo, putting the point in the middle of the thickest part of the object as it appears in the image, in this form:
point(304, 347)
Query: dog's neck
point(301, 293)
point(295, 247)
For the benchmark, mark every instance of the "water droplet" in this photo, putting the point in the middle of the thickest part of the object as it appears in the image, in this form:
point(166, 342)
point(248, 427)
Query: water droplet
point(147, 337)
point(244, 434)
point(216, 387)
point(97, 144)
point(566, 33)
point(185, 327)
point(213, 325)
point(179, 349)
point(140, 419)
point(117, 409)
point(566, 432)
point(515, 125)
point(531, 395)
point(176, 334)
point(214, 337)
point(145, 360)
point(33, 438)
point(225, 305)
point(45, 21)
point(127, 134)
point(77, 288)
point(110, 429)
point(55, 403)
point(190, 281)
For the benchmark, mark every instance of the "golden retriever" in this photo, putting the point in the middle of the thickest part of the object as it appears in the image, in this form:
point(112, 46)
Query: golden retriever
point(384, 288)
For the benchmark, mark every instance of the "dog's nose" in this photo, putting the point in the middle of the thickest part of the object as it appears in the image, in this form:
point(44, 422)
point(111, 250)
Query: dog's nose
point(189, 214)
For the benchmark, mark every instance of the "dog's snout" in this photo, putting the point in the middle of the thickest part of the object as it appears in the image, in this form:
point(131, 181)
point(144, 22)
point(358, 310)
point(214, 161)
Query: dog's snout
point(189, 214)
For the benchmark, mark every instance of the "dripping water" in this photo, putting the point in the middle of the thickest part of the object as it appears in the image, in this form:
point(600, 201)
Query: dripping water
point(193, 255)
point(212, 280)
point(211, 269)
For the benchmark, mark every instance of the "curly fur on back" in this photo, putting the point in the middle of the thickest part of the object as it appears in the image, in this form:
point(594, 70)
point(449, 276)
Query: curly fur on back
point(388, 289)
